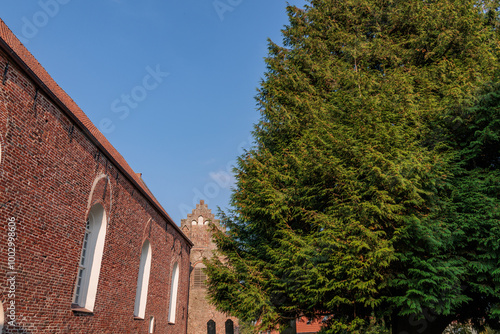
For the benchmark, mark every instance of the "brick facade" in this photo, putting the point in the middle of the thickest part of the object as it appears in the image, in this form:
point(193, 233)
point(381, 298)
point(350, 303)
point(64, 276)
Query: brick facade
point(196, 227)
point(54, 167)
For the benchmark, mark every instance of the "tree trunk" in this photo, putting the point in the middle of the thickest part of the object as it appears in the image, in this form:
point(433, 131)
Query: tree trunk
point(427, 323)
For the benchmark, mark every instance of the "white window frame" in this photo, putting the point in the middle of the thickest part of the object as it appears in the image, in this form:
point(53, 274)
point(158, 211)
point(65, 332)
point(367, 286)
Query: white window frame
point(89, 266)
point(173, 293)
point(2, 319)
point(141, 295)
point(151, 325)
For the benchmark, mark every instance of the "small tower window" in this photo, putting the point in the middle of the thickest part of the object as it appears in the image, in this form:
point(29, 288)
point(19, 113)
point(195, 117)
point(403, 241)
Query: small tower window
point(229, 326)
point(211, 327)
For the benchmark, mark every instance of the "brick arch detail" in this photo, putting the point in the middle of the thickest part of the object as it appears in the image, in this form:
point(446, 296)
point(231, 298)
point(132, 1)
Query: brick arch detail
point(101, 192)
point(146, 232)
point(196, 263)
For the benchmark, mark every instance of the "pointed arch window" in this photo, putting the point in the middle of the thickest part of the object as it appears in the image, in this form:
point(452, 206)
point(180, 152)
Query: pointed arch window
point(173, 293)
point(89, 266)
point(141, 294)
point(229, 326)
point(1, 317)
point(211, 328)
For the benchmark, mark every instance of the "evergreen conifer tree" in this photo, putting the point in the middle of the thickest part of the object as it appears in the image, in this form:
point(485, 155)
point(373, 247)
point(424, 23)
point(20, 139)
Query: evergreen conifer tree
point(472, 211)
point(357, 202)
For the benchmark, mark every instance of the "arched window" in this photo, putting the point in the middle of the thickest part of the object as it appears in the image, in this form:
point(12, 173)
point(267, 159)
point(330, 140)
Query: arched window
point(229, 326)
point(90, 259)
point(199, 276)
point(173, 293)
point(141, 294)
point(211, 327)
point(1, 317)
point(200, 220)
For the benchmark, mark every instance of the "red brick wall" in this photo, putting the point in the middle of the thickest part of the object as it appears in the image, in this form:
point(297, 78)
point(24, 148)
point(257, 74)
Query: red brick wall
point(51, 174)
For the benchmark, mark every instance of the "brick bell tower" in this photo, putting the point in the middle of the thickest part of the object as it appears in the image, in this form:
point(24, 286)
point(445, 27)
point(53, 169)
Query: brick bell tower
point(203, 318)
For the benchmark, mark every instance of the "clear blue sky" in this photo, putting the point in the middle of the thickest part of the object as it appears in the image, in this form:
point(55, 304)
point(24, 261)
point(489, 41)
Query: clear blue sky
point(184, 130)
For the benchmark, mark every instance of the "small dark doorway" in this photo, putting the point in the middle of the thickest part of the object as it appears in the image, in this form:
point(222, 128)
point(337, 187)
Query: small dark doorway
point(211, 327)
point(229, 327)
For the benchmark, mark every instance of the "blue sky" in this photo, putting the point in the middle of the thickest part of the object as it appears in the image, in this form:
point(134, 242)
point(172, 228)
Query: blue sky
point(184, 126)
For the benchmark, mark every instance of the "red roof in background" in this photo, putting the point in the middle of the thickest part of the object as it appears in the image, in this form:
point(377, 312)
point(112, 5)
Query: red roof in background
point(11, 44)
point(304, 326)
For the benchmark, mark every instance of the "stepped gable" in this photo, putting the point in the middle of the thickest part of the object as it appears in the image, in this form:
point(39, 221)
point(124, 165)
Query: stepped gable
point(200, 210)
point(195, 226)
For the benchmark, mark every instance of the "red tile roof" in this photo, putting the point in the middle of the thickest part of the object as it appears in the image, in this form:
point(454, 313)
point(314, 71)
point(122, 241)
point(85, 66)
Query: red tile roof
point(11, 44)
point(305, 325)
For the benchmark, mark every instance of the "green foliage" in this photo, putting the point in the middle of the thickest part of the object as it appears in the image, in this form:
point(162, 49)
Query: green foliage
point(246, 328)
point(370, 327)
point(473, 211)
point(457, 328)
point(372, 190)
point(488, 330)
